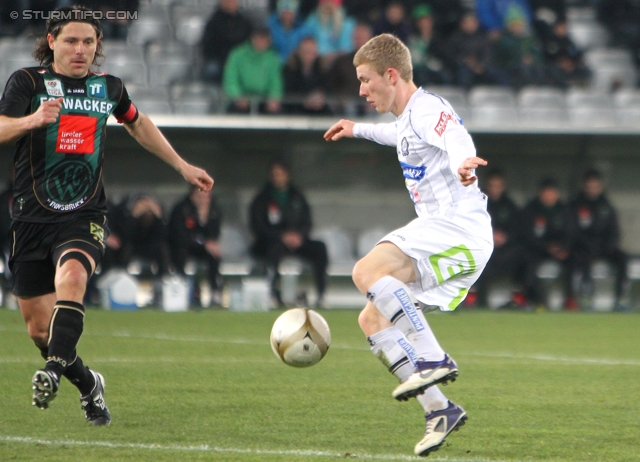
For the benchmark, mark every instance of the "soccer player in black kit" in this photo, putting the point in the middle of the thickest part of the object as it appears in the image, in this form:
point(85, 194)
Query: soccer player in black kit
point(56, 114)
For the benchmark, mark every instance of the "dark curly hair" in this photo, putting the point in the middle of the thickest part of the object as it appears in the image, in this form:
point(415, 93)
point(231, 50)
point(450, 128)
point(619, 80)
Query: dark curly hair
point(58, 19)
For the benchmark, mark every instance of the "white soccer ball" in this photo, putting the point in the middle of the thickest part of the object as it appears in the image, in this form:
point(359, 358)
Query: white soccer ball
point(300, 337)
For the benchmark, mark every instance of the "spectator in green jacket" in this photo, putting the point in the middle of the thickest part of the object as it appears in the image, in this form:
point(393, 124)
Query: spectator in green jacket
point(253, 72)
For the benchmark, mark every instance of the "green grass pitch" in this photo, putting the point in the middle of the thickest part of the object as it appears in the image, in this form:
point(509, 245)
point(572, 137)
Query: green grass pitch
point(206, 386)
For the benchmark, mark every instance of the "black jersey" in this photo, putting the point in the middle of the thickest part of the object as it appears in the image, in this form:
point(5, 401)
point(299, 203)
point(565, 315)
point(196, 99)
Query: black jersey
point(58, 168)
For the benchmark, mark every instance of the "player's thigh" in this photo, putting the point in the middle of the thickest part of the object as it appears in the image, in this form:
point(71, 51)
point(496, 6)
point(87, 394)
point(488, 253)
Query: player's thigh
point(385, 259)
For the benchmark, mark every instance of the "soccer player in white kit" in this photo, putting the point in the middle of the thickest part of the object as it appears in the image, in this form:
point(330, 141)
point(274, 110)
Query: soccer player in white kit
point(433, 261)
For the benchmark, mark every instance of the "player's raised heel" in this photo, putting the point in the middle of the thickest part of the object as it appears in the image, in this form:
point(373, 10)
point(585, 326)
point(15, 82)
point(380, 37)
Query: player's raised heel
point(427, 374)
point(45, 388)
point(439, 425)
point(95, 409)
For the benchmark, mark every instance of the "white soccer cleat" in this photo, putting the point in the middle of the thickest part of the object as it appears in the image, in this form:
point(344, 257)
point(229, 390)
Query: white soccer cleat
point(428, 373)
point(439, 425)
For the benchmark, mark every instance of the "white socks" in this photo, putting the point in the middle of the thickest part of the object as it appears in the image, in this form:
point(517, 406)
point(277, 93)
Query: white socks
point(396, 303)
point(394, 351)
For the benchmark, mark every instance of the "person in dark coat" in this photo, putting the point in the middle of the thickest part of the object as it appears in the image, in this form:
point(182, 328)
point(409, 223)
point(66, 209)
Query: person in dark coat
point(280, 219)
point(194, 233)
point(547, 232)
point(597, 235)
point(507, 258)
point(226, 29)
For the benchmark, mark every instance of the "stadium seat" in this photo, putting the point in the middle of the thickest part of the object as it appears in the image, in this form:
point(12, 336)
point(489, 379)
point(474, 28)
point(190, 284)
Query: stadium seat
point(234, 244)
point(189, 29)
point(148, 28)
point(493, 106)
point(126, 62)
point(627, 104)
point(456, 96)
point(368, 239)
point(542, 106)
point(169, 63)
point(612, 68)
point(587, 34)
point(590, 109)
point(339, 249)
point(153, 106)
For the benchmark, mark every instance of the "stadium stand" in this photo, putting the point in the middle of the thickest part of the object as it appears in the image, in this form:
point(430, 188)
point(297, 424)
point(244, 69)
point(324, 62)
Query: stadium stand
point(542, 105)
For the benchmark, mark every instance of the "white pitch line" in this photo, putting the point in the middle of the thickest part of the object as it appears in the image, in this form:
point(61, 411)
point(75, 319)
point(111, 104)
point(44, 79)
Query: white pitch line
point(241, 341)
point(217, 449)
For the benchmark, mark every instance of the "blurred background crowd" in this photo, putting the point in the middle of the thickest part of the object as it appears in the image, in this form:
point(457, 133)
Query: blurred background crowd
point(294, 56)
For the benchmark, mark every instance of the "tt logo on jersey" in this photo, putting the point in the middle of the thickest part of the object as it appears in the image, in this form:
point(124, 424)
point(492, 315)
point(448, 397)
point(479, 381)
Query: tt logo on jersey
point(96, 90)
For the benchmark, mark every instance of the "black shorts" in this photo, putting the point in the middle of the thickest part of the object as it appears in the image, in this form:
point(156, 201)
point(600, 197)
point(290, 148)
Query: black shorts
point(36, 249)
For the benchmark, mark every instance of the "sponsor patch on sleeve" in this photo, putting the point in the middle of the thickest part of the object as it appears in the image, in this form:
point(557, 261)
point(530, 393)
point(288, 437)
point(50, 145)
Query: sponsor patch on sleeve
point(442, 123)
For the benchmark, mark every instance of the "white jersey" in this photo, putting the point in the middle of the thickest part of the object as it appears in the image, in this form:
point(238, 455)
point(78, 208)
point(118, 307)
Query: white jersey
point(432, 143)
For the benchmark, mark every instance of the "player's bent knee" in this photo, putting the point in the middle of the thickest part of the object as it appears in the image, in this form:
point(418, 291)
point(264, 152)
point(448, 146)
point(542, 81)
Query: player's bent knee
point(78, 257)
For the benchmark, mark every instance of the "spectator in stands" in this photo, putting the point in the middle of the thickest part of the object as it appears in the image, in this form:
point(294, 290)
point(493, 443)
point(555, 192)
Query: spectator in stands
point(493, 14)
point(112, 28)
point(117, 252)
point(226, 29)
point(427, 54)
point(332, 29)
point(470, 53)
point(304, 81)
point(446, 14)
point(253, 71)
point(622, 19)
point(547, 232)
point(148, 236)
point(364, 10)
point(546, 14)
point(519, 52)
point(194, 234)
point(280, 219)
point(304, 9)
point(597, 236)
point(342, 80)
point(393, 20)
point(507, 259)
point(565, 59)
point(287, 31)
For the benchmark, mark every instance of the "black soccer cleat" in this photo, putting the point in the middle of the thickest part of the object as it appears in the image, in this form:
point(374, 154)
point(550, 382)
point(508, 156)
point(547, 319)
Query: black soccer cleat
point(45, 388)
point(95, 409)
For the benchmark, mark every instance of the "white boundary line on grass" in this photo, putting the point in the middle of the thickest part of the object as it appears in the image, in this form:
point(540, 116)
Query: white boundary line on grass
point(240, 341)
point(217, 449)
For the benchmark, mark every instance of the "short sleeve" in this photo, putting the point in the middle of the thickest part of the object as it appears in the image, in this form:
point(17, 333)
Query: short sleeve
point(16, 99)
point(125, 112)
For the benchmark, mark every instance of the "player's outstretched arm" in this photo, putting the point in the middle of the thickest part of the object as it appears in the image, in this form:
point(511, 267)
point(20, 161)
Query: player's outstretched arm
point(145, 132)
point(12, 129)
point(342, 129)
point(466, 171)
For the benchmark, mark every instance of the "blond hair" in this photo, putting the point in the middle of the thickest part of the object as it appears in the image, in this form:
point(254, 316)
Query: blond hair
point(383, 52)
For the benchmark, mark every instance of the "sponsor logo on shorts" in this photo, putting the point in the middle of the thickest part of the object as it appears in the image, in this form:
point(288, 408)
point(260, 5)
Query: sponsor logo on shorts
point(409, 308)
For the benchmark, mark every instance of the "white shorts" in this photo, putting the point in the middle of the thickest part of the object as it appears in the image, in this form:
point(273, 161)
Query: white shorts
point(447, 258)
